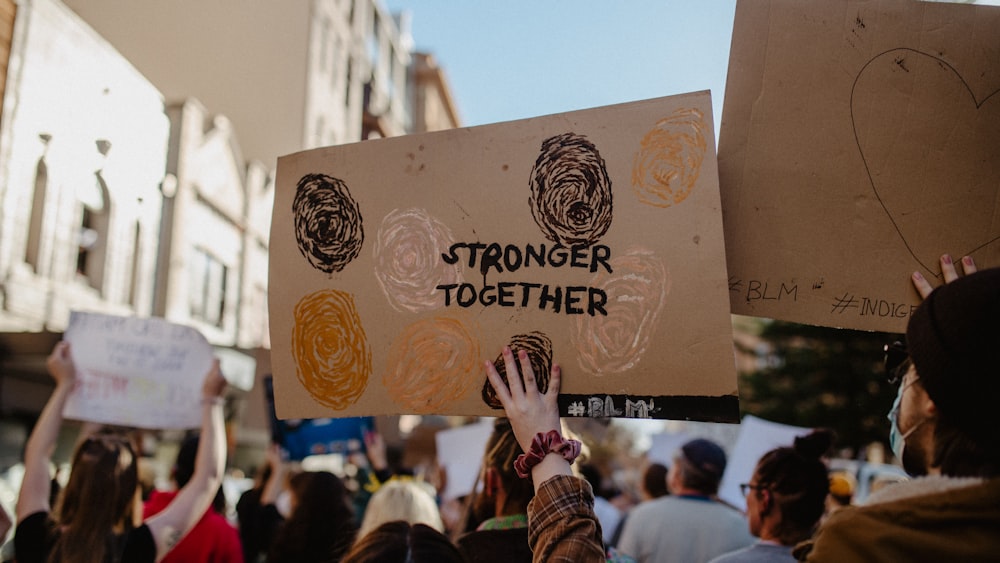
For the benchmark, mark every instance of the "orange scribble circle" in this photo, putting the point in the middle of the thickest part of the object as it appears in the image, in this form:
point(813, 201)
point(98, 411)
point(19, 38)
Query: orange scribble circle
point(332, 357)
point(432, 363)
point(668, 162)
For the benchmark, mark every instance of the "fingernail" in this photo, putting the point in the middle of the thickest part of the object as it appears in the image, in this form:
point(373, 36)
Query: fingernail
point(918, 276)
point(946, 259)
point(967, 260)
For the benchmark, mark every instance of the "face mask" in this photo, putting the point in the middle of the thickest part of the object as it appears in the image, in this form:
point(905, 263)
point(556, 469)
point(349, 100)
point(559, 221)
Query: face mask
point(897, 440)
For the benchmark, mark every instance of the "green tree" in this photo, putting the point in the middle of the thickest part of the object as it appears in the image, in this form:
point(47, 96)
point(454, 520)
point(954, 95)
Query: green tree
point(820, 377)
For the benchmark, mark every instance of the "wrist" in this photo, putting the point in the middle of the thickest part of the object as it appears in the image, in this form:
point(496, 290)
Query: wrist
point(542, 445)
point(213, 401)
point(552, 465)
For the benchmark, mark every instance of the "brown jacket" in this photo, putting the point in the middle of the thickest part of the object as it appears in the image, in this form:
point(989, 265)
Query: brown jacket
point(562, 527)
point(927, 519)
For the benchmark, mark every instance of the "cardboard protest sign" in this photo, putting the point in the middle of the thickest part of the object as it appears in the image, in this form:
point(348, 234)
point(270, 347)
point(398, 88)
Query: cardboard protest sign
point(757, 437)
point(591, 238)
point(860, 141)
point(139, 372)
point(302, 437)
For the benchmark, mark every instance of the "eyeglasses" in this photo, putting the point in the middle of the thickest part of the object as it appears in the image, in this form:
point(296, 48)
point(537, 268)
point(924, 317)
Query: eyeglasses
point(895, 355)
point(745, 488)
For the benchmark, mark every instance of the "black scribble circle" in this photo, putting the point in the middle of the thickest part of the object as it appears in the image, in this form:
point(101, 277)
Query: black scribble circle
point(539, 349)
point(327, 222)
point(570, 191)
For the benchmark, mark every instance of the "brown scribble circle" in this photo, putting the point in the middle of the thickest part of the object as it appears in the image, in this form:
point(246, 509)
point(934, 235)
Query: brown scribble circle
point(570, 191)
point(331, 351)
point(636, 293)
point(432, 363)
point(668, 163)
point(328, 225)
point(408, 262)
point(539, 348)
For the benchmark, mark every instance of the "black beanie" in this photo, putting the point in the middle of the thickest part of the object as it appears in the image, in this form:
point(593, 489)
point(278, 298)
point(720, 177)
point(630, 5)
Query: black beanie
point(953, 339)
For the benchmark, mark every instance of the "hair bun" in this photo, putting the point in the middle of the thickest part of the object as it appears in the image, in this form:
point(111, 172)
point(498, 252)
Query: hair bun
point(814, 444)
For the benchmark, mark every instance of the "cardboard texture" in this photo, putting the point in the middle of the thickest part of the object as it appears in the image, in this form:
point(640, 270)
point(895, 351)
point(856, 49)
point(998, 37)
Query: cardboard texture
point(860, 141)
point(592, 238)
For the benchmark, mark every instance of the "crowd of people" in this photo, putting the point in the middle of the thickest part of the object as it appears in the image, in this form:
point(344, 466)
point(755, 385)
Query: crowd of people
point(535, 497)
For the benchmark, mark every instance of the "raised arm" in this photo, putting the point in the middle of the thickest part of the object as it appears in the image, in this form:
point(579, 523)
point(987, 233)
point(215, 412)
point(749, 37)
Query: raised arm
point(37, 482)
point(562, 527)
point(530, 411)
point(275, 483)
point(170, 525)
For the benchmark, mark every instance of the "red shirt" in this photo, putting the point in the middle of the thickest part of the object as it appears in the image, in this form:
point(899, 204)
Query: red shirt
point(212, 540)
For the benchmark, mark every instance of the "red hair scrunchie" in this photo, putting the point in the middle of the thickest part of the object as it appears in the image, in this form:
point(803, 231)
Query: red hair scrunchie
point(542, 445)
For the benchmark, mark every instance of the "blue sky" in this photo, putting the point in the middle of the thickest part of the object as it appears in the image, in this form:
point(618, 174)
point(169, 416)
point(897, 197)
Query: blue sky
point(517, 59)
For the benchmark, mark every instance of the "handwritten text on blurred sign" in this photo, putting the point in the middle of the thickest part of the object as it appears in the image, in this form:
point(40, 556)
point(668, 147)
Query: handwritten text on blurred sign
point(145, 373)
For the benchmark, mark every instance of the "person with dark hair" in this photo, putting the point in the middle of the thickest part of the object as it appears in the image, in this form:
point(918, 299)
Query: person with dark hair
point(654, 481)
point(213, 539)
point(943, 429)
point(690, 524)
point(562, 526)
point(95, 518)
point(497, 527)
point(249, 513)
point(786, 497)
point(402, 542)
point(321, 526)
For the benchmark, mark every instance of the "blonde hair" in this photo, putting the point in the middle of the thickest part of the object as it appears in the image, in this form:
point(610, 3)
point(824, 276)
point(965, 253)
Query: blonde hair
point(402, 499)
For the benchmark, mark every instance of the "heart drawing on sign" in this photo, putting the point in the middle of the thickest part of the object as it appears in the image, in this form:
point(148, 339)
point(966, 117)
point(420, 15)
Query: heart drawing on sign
point(931, 149)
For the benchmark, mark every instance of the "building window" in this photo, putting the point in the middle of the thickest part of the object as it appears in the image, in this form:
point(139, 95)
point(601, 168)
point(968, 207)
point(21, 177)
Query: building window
point(334, 56)
point(324, 38)
point(208, 288)
point(32, 252)
point(318, 134)
point(92, 231)
point(347, 85)
point(86, 239)
point(391, 78)
point(133, 282)
point(373, 40)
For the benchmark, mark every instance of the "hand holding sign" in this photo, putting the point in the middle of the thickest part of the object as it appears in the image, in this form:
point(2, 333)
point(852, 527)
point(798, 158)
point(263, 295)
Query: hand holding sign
point(60, 364)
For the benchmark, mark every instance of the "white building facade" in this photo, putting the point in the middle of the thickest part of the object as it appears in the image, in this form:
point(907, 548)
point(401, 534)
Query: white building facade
point(138, 142)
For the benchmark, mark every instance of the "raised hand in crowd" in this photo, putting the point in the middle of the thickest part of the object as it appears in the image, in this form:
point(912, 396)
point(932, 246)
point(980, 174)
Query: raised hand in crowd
point(101, 502)
point(194, 498)
point(562, 526)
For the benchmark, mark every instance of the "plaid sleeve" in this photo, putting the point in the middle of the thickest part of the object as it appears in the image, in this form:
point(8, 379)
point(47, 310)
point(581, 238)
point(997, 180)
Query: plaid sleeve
point(562, 526)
